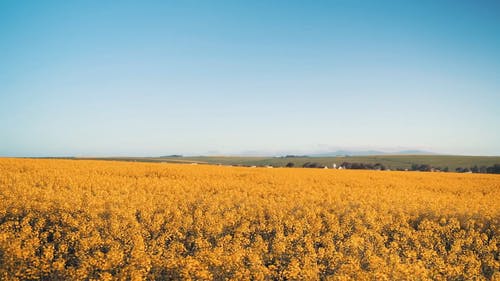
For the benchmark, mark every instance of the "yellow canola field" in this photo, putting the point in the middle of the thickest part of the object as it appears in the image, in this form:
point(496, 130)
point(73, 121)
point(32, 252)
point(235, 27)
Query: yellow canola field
point(100, 220)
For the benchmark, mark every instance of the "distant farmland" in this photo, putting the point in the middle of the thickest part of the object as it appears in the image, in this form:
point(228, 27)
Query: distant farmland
point(389, 161)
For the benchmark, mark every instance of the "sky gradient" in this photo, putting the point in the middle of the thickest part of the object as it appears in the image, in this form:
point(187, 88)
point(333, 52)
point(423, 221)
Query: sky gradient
point(149, 78)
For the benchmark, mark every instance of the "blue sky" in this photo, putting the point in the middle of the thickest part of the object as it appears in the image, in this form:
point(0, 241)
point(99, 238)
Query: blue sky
point(222, 77)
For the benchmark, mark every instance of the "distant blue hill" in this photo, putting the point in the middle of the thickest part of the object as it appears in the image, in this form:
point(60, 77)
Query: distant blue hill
point(371, 153)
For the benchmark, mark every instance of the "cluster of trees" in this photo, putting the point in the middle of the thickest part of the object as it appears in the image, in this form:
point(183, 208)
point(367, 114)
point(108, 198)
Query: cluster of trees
point(363, 166)
point(495, 169)
point(427, 168)
point(294, 156)
point(312, 165)
point(344, 165)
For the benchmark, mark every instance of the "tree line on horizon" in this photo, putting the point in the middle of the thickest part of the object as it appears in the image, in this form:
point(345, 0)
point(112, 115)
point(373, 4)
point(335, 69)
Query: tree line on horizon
point(495, 169)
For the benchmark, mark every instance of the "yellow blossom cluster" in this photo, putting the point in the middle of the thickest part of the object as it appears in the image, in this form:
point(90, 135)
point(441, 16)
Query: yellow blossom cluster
point(104, 220)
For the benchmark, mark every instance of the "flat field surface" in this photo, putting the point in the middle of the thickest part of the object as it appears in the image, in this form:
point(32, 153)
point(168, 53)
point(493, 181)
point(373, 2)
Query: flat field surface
point(83, 220)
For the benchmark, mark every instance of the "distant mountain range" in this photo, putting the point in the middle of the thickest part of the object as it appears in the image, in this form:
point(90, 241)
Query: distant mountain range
point(312, 154)
point(371, 152)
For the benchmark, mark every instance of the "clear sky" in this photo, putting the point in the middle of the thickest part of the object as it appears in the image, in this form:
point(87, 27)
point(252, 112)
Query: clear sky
point(194, 77)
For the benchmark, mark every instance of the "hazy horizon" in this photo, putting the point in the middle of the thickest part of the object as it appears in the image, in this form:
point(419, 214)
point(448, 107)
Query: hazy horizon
point(263, 153)
point(104, 78)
